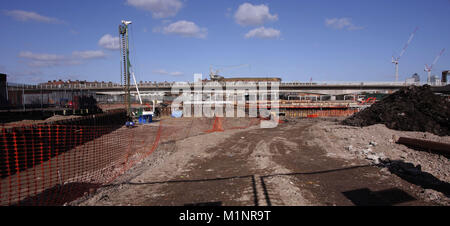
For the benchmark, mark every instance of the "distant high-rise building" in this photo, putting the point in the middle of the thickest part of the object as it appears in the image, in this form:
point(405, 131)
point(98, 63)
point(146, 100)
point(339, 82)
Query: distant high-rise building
point(435, 80)
point(444, 77)
point(416, 77)
point(3, 91)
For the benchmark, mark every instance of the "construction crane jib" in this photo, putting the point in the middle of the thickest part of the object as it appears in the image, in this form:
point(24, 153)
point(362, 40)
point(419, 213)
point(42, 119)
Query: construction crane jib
point(428, 69)
point(396, 60)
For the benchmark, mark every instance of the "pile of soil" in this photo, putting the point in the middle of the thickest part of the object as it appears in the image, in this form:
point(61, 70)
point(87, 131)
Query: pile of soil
point(411, 108)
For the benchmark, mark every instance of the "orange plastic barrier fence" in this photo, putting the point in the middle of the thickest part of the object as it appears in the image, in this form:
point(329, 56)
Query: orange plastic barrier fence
point(222, 124)
point(217, 126)
point(54, 164)
point(316, 113)
point(51, 165)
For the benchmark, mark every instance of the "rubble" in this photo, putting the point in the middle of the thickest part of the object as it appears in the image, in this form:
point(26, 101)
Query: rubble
point(409, 109)
point(376, 144)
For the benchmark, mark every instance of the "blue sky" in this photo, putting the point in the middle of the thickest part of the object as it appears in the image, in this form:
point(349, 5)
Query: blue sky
point(346, 40)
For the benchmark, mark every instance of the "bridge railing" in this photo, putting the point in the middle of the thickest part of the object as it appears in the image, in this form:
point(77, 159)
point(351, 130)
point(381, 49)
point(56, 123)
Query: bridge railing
point(170, 84)
point(337, 83)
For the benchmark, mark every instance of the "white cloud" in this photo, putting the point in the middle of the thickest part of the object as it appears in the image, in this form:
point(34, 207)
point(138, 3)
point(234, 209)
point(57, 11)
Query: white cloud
point(161, 72)
point(176, 73)
point(159, 8)
point(51, 60)
point(164, 72)
point(37, 63)
point(109, 42)
point(47, 60)
point(90, 54)
point(186, 29)
point(341, 23)
point(264, 33)
point(22, 15)
point(41, 57)
point(253, 15)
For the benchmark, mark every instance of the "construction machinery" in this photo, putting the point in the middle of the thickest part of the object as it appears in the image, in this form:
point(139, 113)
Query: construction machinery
point(395, 60)
point(428, 69)
point(123, 32)
point(252, 79)
point(127, 73)
point(146, 113)
point(214, 75)
point(370, 100)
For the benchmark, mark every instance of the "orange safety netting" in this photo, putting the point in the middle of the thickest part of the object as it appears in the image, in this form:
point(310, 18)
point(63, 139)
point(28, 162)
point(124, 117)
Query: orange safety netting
point(222, 124)
point(217, 126)
point(55, 164)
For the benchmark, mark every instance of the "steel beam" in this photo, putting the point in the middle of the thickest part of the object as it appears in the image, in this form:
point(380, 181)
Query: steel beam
point(441, 148)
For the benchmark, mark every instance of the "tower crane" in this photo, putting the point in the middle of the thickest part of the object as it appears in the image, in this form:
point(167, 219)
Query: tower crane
point(395, 60)
point(428, 69)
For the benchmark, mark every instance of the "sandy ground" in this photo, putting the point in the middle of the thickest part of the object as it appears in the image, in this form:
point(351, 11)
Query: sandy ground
point(301, 162)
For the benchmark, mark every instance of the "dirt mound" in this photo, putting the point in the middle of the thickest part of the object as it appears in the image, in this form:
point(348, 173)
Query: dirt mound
point(409, 109)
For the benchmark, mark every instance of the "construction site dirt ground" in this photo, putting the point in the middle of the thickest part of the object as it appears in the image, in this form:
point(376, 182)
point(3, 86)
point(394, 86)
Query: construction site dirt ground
point(299, 163)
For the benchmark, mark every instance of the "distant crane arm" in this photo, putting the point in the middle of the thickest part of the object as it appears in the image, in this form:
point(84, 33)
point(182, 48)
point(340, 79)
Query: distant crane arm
point(437, 58)
point(411, 37)
point(430, 68)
